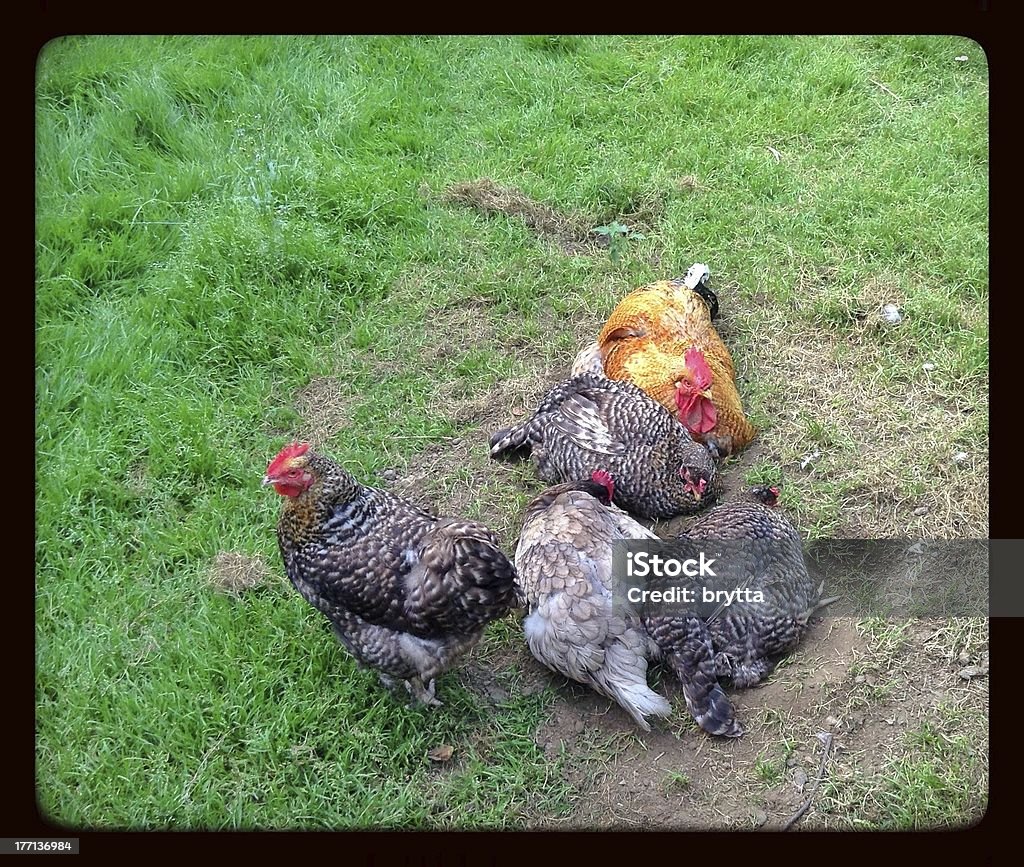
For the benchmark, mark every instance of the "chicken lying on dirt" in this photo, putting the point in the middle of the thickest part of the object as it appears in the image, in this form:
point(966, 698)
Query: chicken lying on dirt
point(564, 564)
point(741, 642)
point(591, 423)
point(660, 337)
point(406, 592)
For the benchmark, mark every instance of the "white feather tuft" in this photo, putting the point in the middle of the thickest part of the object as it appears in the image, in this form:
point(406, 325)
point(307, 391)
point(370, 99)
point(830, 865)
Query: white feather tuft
point(696, 275)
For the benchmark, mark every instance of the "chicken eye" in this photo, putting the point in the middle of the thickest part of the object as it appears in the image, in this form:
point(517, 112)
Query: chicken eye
point(293, 473)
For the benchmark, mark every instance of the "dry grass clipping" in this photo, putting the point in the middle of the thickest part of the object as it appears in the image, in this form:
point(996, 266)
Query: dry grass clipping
point(572, 233)
point(236, 574)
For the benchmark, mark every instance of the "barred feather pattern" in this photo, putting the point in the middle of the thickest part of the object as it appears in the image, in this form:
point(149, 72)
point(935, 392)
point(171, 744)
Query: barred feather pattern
point(743, 642)
point(406, 592)
point(564, 568)
point(590, 422)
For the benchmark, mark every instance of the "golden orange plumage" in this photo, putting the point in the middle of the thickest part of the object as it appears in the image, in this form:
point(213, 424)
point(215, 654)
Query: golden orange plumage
point(645, 341)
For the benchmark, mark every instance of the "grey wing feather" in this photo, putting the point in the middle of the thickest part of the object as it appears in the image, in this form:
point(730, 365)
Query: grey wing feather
point(566, 631)
point(626, 526)
point(580, 419)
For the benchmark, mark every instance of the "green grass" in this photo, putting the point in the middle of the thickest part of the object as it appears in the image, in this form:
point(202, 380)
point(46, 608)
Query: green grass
point(929, 781)
point(221, 220)
point(767, 771)
point(676, 780)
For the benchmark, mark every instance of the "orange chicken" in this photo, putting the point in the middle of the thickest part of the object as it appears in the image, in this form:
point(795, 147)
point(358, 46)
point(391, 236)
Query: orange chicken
point(660, 337)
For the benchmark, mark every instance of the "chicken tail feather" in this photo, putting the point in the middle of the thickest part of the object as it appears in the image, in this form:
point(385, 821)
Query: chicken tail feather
point(508, 441)
point(693, 661)
point(639, 701)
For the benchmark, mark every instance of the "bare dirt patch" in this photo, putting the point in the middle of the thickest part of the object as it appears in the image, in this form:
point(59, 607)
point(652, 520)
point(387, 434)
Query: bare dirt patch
point(325, 406)
point(890, 694)
point(678, 777)
point(883, 451)
point(681, 778)
point(689, 183)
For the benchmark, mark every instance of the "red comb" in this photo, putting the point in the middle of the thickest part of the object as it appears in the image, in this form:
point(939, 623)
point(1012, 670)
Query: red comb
point(292, 450)
point(698, 367)
point(602, 477)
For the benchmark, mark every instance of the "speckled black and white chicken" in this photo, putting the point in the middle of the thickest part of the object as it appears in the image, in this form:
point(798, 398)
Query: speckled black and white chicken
point(564, 568)
point(591, 423)
point(406, 592)
point(740, 642)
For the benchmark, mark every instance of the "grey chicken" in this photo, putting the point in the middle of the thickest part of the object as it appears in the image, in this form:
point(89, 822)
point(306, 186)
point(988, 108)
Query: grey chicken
point(564, 567)
point(591, 423)
point(406, 592)
point(741, 641)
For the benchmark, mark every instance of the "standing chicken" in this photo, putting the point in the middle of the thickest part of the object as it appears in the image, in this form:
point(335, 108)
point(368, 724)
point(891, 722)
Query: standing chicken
point(406, 592)
point(591, 423)
point(760, 552)
point(564, 564)
point(660, 337)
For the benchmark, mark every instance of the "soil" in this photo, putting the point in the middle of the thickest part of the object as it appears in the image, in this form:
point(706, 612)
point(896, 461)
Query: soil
point(325, 408)
point(672, 777)
point(681, 778)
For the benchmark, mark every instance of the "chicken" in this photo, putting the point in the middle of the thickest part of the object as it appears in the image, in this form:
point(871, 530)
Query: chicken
point(564, 564)
point(660, 337)
point(406, 592)
point(591, 423)
point(758, 551)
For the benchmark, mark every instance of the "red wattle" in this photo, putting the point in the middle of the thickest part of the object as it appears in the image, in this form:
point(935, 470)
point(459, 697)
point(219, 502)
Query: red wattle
point(286, 490)
point(709, 416)
point(690, 416)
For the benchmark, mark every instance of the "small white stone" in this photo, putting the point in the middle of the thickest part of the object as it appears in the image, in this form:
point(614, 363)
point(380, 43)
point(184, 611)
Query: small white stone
point(920, 510)
point(928, 366)
point(959, 457)
point(961, 59)
point(809, 459)
point(891, 314)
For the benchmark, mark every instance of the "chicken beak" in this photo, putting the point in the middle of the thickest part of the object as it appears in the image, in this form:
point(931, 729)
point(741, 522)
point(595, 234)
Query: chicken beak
point(706, 393)
point(267, 481)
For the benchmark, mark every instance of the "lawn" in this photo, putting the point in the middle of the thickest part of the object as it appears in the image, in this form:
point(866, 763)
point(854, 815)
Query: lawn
point(388, 246)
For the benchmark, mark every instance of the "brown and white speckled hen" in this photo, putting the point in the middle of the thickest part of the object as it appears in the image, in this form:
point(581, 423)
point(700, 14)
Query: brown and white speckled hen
point(591, 423)
point(406, 592)
point(564, 568)
point(742, 641)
